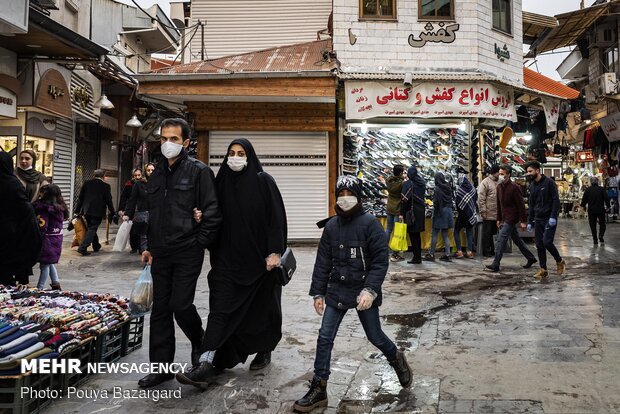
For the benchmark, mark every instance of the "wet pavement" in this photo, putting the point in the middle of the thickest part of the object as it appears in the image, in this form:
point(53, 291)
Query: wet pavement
point(478, 342)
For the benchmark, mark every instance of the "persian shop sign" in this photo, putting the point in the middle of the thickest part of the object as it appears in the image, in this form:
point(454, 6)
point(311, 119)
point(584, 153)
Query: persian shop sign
point(611, 126)
point(429, 100)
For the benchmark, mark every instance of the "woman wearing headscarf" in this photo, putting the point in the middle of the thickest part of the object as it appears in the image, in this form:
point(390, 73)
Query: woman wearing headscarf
point(31, 179)
point(443, 219)
point(20, 243)
point(412, 210)
point(466, 202)
point(245, 316)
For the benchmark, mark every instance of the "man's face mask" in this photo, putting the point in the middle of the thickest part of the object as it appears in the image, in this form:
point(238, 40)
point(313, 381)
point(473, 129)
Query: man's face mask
point(346, 203)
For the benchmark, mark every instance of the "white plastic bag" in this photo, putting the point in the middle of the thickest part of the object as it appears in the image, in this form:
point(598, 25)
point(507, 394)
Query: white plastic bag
point(141, 298)
point(122, 237)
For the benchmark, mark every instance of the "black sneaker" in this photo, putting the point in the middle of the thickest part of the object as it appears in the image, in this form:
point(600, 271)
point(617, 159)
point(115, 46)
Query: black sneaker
point(260, 361)
point(83, 252)
point(601, 240)
point(491, 268)
point(402, 369)
point(529, 263)
point(429, 257)
point(445, 258)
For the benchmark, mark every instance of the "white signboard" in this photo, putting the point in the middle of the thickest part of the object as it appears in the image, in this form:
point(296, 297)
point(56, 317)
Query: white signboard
point(429, 100)
point(552, 113)
point(611, 126)
point(8, 103)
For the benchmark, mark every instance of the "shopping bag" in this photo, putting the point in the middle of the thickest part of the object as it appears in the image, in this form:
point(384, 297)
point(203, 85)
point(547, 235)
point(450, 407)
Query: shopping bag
point(122, 237)
point(79, 226)
point(141, 298)
point(398, 242)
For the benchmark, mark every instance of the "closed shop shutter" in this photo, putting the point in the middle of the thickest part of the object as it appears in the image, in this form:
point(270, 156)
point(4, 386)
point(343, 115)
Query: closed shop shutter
point(63, 159)
point(298, 163)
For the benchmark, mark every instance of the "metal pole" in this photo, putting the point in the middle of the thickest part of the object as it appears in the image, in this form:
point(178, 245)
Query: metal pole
point(202, 43)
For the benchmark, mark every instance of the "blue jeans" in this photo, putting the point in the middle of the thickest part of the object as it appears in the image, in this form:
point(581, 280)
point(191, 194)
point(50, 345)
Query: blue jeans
point(544, 241)
point(47, 270)
point(389, 228)
point(329, 328)
point(469, 234)
point(509, 231)
point(446, 240)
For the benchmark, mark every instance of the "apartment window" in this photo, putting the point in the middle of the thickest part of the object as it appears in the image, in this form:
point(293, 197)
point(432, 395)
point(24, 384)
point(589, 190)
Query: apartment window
point(378, 9)
point(610, 60)
point(502, 15)
point(436, 9)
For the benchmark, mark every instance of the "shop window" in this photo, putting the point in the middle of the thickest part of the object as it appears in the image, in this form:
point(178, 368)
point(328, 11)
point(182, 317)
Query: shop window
point(9, 145)
point(378, 9)
point(44, 148)
point(610, 60)
point(436, 9)
point(502, 15)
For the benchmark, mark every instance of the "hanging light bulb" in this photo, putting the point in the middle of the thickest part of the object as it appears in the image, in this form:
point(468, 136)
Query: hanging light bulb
point(134, 122)
point(104, 103)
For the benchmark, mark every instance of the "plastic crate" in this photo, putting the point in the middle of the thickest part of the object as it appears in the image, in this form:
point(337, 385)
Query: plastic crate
point(85, 354)
point(108, 346)
point(11, 401)
point(133, 332)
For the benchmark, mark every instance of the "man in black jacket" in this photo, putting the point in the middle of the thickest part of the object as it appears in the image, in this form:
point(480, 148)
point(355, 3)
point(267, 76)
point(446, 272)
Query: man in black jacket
point(597, 200)
point(544, 206)
point(95, 196)
point(176, 243)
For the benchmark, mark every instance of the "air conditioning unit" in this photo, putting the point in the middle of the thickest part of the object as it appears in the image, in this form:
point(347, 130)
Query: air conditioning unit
point(590, 94)
point(607, 84)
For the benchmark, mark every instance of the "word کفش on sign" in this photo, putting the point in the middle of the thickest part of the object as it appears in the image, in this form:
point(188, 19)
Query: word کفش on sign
point(442, 35)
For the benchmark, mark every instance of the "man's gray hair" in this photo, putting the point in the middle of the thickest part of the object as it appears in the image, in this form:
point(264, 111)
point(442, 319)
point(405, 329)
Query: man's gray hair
point(594, 180)
point(99, 173)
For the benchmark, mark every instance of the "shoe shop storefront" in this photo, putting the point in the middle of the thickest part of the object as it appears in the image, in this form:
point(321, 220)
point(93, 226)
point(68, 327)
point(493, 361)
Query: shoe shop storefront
point(432, 125)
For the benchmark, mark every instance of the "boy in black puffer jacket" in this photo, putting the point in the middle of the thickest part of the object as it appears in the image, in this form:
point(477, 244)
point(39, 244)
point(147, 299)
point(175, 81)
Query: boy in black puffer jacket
point(350, 267)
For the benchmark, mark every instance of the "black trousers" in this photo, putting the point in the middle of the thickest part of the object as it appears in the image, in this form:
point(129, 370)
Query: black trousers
point(489, 229)
point(593, 218)
point(92, 224)
point(416, 245)
point(174, 287)
point(134, 237)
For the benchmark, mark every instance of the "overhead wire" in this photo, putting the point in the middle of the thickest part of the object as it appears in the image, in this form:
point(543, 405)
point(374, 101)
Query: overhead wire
point(184, 47)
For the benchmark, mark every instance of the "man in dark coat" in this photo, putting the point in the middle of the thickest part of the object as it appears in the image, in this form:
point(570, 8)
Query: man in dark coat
point(21, 240)
point(544, 206)
point(178, 187)
point(510, 211)
point(134, 233)
point(95, 196)
point(596, 199)
point(351, 263)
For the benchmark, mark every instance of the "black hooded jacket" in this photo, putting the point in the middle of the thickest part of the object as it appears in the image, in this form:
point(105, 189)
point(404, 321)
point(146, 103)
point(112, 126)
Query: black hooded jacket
point(173, 193)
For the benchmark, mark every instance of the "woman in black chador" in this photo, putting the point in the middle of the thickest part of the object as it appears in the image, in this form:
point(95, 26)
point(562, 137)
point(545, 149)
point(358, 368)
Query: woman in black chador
point(245, 316)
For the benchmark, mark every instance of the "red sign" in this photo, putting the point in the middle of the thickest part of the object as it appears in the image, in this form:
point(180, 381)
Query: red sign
point(584, 156)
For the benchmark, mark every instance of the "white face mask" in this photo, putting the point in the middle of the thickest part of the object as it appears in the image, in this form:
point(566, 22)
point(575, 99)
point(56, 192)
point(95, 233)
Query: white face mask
point(237, 163)
point(501, 178)
point(346, 203)
point(25, 169)
point(170, 149)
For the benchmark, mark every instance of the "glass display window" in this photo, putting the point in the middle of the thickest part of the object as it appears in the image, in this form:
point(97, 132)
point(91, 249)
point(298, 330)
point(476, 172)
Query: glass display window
point(44, 148)
point(9, 145)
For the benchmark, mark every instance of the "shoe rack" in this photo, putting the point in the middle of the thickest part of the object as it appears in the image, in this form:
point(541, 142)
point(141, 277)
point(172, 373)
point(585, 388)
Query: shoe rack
point(371, 155)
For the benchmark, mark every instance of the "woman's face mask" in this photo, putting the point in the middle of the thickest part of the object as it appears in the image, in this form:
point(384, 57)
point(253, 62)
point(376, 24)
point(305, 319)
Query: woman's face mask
point(237, 163)
point(346, 203)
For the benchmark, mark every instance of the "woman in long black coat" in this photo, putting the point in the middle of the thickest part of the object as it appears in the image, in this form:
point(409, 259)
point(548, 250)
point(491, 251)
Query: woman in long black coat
point(412, 209)
point(20, 243)
point(245, 315)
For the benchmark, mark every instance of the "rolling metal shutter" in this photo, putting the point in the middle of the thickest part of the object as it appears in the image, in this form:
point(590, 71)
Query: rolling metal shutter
point(64, 150)
point(298, 163)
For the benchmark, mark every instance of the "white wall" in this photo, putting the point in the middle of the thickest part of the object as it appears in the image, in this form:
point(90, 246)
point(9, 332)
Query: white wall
point(386, 44)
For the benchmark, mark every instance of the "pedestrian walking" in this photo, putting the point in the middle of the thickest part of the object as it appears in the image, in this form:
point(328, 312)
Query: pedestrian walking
point(94, 197)
point(31, 179)
point(51, 211)
point(245, 315)
point(349, 276)
point(544, 206)
point(487, 205)
point(179, 186)
point(510, 212)
point(466, 207)
point(134, 235)
point(136, 209)
point(20, 244)
point(412, 211)
point(597, 201)
point(394, 185)
point(443, 217)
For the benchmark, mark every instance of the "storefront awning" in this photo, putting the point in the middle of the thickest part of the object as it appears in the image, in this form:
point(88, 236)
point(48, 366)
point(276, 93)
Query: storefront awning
point(536, 25)
point(571, 26)
point(540, 83)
